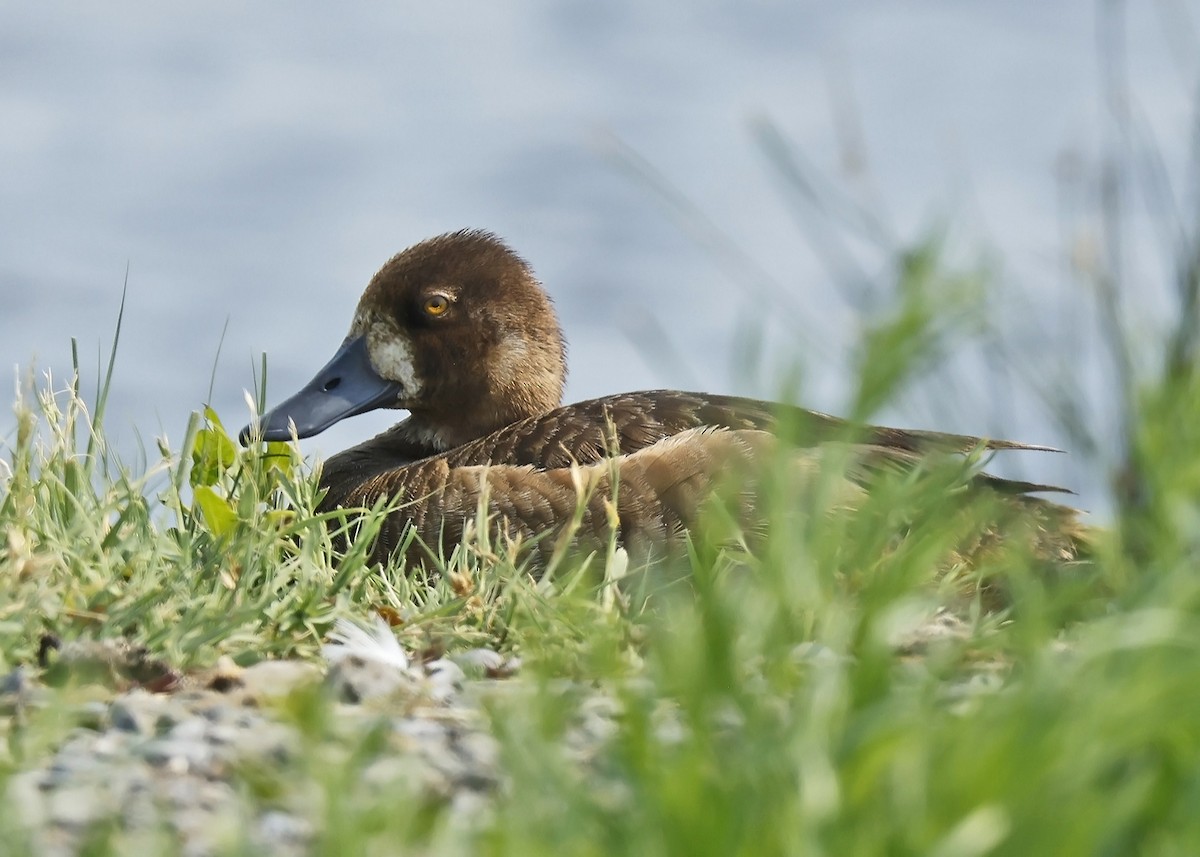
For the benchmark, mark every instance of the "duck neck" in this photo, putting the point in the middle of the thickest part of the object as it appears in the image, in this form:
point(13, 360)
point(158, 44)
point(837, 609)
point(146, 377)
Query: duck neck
point(440, 432)
point(401, 445)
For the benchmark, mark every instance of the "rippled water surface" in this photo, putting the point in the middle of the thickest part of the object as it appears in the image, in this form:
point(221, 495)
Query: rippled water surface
point(251, 165)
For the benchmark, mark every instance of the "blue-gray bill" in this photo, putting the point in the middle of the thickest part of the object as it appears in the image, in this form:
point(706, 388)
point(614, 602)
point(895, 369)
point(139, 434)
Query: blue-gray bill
point(347, 385)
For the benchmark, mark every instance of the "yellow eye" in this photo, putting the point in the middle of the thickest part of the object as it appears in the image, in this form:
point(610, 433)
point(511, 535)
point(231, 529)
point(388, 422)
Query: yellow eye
point(436, 305)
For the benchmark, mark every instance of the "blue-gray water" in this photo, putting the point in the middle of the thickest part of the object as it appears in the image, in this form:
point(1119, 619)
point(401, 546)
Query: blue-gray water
point(253, 164)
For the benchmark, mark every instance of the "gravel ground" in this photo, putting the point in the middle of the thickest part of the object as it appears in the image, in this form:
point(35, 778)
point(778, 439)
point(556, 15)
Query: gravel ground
point(163, 767)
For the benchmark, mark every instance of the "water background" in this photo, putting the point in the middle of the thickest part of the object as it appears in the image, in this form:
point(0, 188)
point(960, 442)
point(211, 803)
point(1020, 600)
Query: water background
point(251, 165)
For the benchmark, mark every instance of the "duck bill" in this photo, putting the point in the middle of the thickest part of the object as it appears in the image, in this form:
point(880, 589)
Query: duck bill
point(347, 385)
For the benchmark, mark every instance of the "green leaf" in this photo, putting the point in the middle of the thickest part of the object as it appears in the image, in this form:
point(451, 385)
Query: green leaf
point(213, 419)
point(218, 513)
point(214, 453)
point(279, 455)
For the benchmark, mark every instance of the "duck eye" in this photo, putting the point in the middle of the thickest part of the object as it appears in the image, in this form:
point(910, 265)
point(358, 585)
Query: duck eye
point(436, 305)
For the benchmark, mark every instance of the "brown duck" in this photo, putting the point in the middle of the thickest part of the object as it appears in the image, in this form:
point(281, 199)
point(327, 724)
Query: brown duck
point(457, 331)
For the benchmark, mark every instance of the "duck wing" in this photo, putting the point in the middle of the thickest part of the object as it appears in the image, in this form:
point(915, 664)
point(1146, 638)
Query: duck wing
point(666, 449)
point(660, 489)
point(589, 431)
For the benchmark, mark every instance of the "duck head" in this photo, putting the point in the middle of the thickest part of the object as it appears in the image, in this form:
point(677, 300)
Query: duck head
point(456, 330)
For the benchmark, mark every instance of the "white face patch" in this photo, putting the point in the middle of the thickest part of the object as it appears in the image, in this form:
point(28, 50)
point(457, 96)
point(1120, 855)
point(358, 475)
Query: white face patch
point(390, 351)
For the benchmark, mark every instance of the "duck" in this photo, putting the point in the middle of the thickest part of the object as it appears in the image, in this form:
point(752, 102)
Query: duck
point(458, 332)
